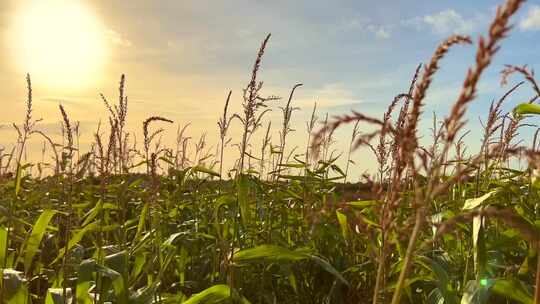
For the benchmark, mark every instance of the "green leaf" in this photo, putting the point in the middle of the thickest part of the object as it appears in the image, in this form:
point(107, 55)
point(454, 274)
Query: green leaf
point(214, 294)
point(439, 266)
point(475, 202)
point(269, 253)
point(329, 268)
point(117, 261)
point(18, 179)
point(3, 244)
point(75, 239)
point(85, 271)
point(475, 293)
point(142, 220)
point(362, 204)
point(527, 108)
point(84, 282)
point(170, 240)
point(370, 222)
point(138, 265)
point(342, 219)
point(205, 170)
point(242, 185)
point(93, 213)
point(479, 248)
point(273, 253)
point(145, 295)
point(38, 230)
point(338, 170)
point(116, 278)
point(297, 166)
point(512, 289)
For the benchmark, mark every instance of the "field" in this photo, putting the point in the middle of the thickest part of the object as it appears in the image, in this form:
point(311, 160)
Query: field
point(146, 223)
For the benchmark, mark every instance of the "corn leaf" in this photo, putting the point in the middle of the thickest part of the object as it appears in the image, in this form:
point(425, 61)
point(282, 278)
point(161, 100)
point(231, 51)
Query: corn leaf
point(38, 230)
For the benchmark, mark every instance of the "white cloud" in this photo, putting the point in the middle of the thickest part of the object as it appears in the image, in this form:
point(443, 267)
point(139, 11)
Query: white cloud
point(444, 22)
point(117, 39)
point(379, 31)
point(532, 20)
point(331, 95)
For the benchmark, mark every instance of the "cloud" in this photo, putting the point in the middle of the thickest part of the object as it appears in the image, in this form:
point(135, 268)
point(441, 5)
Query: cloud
point(332, 95)
point(444, 22)
point(379, 31)
point(532, 20)
point(117, 39)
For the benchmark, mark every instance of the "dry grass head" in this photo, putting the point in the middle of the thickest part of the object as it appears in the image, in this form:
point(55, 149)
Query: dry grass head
point(225, 121)
point(180, 155)
point(28, 123)
point(67, 127)
point(202, 155)
point(147, 136)
point(523, 70)
point(487, 47)
point(253, 101)
point(151, 158)
point(111, 147)
point(266, 142)
point(420, 91)
point(53, 146)
point(118, 117)
point(28, 118)
point(119, 111)
point(494, 116)
point(329, 127)
point(286, 126)
point(253, 104)
point(310, 126)
point(251, 93)
point(287, 114)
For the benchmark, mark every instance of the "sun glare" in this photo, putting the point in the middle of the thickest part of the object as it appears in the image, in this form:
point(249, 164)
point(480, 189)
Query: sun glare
point(61, 43)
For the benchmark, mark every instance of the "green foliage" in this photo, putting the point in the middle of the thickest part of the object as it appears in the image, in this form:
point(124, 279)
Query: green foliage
point(33, 242)
point(527, 108)
point(299, 236)
point(512, 289)
point(213, 295)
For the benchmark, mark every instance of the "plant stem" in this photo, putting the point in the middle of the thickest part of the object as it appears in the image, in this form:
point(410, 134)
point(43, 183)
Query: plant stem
point(419, 220)
point(380, 270)
point(537, 289)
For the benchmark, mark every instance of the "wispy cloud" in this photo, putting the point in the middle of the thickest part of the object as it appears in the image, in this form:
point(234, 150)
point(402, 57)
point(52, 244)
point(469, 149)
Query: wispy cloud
point(380, 32)
point(366, 25)
point(444, 22)
point(332, 95)
point(116, 38)
point(532, 20)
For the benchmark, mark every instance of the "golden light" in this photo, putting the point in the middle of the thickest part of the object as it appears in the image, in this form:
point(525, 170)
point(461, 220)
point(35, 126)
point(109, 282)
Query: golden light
point(61, 43)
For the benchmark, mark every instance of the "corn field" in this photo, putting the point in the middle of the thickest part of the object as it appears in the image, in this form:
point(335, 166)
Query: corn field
point(129, 222)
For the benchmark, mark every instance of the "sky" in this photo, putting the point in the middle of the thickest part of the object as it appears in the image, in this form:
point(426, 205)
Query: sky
point(182, 57)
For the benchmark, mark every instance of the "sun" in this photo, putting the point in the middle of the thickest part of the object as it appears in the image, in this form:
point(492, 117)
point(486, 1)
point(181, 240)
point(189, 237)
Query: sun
point(61, 44)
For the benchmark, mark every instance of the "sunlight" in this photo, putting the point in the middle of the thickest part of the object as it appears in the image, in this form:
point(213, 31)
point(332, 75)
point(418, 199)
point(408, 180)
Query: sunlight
point(61, 43)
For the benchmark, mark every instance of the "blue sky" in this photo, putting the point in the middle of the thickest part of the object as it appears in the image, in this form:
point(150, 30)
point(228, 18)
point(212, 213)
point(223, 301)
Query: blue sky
point(182, 57)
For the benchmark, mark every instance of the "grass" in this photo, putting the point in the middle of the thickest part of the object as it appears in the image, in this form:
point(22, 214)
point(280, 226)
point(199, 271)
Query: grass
point(129, 223)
